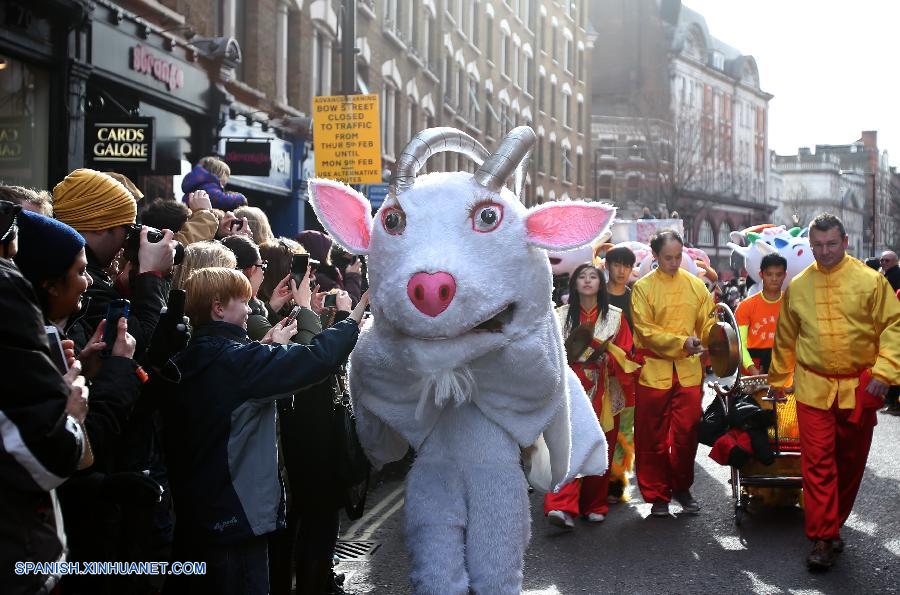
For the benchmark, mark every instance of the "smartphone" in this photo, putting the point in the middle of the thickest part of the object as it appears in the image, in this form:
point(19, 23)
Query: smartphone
point(292, 316)
point(299, 264)
point(330, 300)
point(236, 224)
point(57, 354)
point(175, 304)
point(114, 311)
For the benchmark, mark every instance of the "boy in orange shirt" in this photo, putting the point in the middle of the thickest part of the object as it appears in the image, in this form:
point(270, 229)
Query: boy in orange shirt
point(757, 316)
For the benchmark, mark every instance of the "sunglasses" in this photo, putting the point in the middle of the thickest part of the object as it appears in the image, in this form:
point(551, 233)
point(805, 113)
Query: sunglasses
point(263, 265)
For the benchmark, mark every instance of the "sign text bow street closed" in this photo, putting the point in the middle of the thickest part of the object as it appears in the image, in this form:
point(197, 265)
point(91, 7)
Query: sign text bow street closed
point(347, 138)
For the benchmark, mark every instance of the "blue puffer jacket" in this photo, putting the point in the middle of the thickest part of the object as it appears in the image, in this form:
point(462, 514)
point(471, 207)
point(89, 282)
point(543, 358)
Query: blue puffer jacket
point(200, 179)
point(219, 426)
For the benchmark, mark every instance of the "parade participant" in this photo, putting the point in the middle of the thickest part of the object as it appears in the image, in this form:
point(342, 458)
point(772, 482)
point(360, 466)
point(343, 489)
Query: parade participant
point(604, 379)
point(673, 314)
point(464, 357)
point(758, 314)
point(620, 263)
point(839, 336)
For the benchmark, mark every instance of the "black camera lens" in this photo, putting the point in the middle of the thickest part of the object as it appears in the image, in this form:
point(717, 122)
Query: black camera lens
point(133, 243)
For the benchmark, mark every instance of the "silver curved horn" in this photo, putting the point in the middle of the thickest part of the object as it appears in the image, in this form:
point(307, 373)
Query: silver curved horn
point(430, 142)
point(510, 155)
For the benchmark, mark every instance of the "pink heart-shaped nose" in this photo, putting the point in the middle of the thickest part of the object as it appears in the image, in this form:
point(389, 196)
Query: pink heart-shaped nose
point(431, 293)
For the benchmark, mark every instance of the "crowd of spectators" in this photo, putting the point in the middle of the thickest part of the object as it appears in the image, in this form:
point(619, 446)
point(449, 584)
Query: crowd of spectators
point(186, 423)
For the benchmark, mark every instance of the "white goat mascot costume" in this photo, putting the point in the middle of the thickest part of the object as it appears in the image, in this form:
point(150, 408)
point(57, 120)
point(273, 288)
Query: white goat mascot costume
point(464, 360)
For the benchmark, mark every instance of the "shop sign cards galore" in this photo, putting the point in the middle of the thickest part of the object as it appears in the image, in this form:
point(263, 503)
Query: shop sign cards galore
point(120, 143)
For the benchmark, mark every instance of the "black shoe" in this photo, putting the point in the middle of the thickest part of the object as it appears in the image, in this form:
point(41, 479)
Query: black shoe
point(837, 545)
point(616, 489)
point(821, 557)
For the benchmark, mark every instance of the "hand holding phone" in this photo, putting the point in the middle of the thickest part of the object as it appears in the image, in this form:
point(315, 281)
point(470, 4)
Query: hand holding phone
point(114, 311)
point(57, 353)
point(292, 316)
point(299, 267)
point(330, 300)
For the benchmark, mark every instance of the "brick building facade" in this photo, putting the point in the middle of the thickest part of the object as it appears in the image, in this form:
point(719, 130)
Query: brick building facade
point(679, 122)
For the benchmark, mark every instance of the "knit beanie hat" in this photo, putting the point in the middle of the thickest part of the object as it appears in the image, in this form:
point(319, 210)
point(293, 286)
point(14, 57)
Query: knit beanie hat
point(89, 200)
point(47, 247)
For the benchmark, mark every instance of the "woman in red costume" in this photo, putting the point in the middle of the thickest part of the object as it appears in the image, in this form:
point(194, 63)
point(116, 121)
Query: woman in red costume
point(605, 372)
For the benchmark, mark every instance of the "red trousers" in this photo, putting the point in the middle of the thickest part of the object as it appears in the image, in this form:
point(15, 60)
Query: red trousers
point(665, 439)
point(587, 494)
point(833, 453)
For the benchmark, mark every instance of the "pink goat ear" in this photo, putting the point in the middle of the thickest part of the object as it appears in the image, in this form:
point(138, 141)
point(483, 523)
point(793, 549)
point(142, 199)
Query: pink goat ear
point(343, 212)
point(567, 225)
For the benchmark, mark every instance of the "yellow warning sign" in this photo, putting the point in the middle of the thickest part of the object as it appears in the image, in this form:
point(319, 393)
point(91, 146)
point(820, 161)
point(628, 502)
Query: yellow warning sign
point(347, 138)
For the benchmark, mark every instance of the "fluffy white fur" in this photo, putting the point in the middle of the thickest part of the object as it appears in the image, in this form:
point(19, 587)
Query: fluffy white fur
point(467, 402)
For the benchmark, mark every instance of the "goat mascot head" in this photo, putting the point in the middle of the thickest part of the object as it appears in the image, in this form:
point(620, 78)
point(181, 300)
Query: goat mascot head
point(455, 257)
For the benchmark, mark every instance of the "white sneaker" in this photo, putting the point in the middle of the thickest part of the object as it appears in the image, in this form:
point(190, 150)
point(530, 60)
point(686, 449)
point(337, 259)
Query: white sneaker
point(596, 517)
point(560, 519)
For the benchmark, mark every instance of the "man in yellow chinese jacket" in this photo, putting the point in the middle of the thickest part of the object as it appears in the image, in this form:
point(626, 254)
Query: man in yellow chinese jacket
point(838, 336)
point(673, 313)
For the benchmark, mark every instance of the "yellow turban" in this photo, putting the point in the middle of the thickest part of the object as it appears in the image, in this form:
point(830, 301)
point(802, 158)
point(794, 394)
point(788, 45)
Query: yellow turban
point(89, 200)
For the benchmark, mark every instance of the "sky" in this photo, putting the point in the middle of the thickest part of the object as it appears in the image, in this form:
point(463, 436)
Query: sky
point(831, 65)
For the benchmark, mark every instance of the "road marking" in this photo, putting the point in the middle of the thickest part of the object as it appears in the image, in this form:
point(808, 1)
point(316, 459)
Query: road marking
point(355, 527)
point(374, 526)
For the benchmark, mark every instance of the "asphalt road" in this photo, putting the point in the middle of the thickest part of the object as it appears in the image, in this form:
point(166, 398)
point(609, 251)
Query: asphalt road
point(634, 553)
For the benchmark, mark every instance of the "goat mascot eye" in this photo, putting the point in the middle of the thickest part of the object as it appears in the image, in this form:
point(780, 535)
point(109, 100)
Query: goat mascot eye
point(394, 221)
point(487, 217)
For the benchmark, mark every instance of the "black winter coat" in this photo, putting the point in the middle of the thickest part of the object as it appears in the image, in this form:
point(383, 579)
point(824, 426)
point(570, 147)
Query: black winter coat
point(40, 446)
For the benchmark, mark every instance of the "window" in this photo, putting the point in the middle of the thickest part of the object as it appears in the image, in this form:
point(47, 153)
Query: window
point(448, 79)
point(579, 169)
point(580, 121)
point(390, 14)
point(705, 234)
point(321, 83)
point(490, 116)
point(567, 110)
point(605, 187)
point(515, 66)
point(388, 102)
point(566, 164)
point(552, 159)
point(607, 148)
point(540, 154)
point(633, 188)
point(553, 50)
point(724, 233)
point(542, 32)
point(505, 58)
point(474, 108)
point(526, 75)
point(569, 55)
point(412, 122)
point(489, 39)
point(452, 7)
point(541, 99)
point(637, 150)
point(428, 44)
point(473, 24)
point(580, 59)
point(25, 106)
point(505, 122)
point(552, 99)
point(460, 89)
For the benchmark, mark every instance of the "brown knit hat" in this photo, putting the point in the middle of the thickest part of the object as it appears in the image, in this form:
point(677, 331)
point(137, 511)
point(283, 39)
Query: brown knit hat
point(89, 200)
